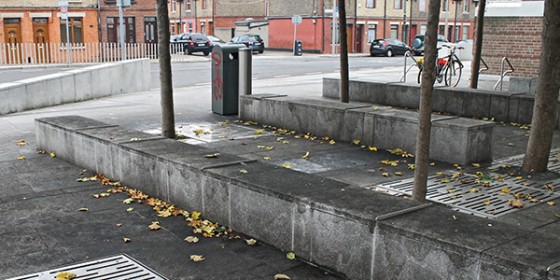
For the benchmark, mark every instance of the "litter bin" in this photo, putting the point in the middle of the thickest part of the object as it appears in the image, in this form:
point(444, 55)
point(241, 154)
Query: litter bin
point(225, 79)
point(298, 48)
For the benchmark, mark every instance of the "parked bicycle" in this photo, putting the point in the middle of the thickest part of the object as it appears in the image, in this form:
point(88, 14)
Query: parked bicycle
point(448, 68)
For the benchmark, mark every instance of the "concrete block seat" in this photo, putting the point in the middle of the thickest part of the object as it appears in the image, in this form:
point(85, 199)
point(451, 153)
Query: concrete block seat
point(453, 139)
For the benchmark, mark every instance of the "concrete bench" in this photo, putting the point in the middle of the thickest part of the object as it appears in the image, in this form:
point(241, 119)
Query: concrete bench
point(453, 139)
point(514, 107)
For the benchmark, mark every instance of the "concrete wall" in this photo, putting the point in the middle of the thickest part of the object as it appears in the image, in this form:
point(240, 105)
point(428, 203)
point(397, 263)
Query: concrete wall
point(75, 85)
point(359, 233)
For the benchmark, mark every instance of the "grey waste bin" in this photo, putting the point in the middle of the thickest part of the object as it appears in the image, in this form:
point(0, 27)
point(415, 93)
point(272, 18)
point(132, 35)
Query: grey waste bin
point(298, 48)
point(225, 79)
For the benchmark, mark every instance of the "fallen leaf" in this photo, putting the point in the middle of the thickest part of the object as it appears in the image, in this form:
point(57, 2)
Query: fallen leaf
point(291, 256)
point(385, 174)
point(269, 148)
point(373, 149)
point(356, 142)
point(83, 209)
point(52, 154)
point(20, 142)
point(477, 165)
point(473, 190)
point(287, 165)
point(251, 242)
point(128, 201)
point(87, 179)
point(118, 225)
point(267, 158)
point(259, 131)
point(516, 203)
point(154, 226)
point(130, 209)
point(197, 258)
point(305, 156)
point(505, 190)
point(398, 173)
point(549, 187)
point(411, 166)
point(214, 155)
point(445, 181)
point(432, 164)
point(21, 157)
point(519, 178)
point(454, 217)
point(191, 239)
point(285, 142)
point(126, 239)
point(551, 203)
point(440, 173)
point(243, 171)
point(282, 277)
point(65, 275)
point(40, 152)
point(195, 215)
point(332, 142)
point(487, 202)
point(534, 200)
point(135, 139)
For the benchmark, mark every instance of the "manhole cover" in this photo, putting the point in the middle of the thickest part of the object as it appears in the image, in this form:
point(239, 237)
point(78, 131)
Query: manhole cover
point(119, 267)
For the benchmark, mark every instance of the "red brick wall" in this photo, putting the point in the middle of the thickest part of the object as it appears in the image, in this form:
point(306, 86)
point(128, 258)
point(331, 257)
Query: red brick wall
point(518, 39)
point(138, 10)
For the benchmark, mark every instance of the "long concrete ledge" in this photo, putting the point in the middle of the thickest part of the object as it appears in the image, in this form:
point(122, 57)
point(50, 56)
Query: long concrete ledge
point(453, 139)
point(360, 233)
point(330, 223)
point(514, 107)
point(75, 85)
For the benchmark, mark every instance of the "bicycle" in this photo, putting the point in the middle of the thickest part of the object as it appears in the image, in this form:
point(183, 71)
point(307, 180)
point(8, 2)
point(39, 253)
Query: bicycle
point(448, 68)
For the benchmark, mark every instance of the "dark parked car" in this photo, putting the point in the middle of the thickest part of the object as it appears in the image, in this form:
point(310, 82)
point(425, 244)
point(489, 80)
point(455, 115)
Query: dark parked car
point(197, 42)
point(215, 40)
point(418, 43)
point(254, 42)
point(388, 47)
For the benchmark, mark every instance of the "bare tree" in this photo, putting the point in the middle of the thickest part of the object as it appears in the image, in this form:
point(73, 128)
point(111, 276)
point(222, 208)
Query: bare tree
point(477, 51)
point(546, 99)
point(165, 76)
point(424, 123)
point(344, 83)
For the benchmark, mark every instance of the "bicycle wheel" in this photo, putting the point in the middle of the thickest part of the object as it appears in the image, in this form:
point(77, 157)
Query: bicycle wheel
point(453, 74)
point(420, 76)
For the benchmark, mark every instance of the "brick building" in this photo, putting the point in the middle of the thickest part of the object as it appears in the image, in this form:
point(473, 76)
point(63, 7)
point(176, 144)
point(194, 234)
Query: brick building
point(140, 21)
point(39, 21)
point(513, 29)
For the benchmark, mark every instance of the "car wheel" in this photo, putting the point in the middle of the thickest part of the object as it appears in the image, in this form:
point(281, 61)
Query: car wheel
point(189, 51)
point(261, 51)
point(389, 53)
point(206, 53)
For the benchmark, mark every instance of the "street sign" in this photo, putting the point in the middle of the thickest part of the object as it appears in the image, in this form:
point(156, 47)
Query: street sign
point(296, 19)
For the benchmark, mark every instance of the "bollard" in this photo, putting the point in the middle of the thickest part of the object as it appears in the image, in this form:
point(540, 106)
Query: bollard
point(245, 73)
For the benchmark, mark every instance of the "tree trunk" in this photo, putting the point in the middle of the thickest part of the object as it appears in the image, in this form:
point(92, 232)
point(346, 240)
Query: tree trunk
point(477, 51)
point(422, 158)
point(166, 82)
point(546, 99)
point(344, 88)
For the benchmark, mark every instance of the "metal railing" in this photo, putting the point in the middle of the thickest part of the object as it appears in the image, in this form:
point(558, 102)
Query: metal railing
point(56, 53)
point(407, 68)
point(482, 69)
point(504, 73)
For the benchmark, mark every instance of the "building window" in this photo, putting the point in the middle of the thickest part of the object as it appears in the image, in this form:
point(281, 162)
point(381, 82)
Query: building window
point(422, 5)
point(204, 4)
point(188, 5)
point(445, 6)
point(190, 27)
point(398, 4)
point(75, 26)
point(113, 32)
point(370, 4)
point(394, 31)
point(465, 32)
point(423, 29)
point(466, 6)
point(173, 6)
point(372, 30)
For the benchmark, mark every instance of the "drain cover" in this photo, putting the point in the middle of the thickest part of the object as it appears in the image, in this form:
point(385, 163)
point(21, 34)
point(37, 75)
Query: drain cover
point(119, 267)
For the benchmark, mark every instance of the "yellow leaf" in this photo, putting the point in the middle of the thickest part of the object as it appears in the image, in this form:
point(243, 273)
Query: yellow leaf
point(549, 187)
point(21, 157)
point(259, 131)
point(269, 148)
point(251, 242)
point(128, 201)
point(450, 191)
point(440, 173)
point(20, 142)
point(154, 226)
point(65, 275)
point(487, 202)
point(267, 158)
point(197, 258)
point(385, 174)
point(214, 155)
point(356, 142)
point(40, 152)
point(87, 179)
point(332, 142)
point(191, 239)
point(285, 142)
point(282, 277)
point(534, 200)
point(164, 214)
point(516, 203)
point(432, 164)
point(130, 209)
point(411, 166)
point(477, 165)
point(551, 203)
point(454, 217)
point(473, 190)
point(505, 190)
point(243, 171)
point(52, 154)
point(118, 225)
point(373, 149)
point(195, 215)
point(83, 209)
point(291, 256)
point(445, 181)
point(126, 240)
point(519, 178)
point(260, 147)
point(398, 173)
point(305, 156)
point(96, 195)
point(287, 165)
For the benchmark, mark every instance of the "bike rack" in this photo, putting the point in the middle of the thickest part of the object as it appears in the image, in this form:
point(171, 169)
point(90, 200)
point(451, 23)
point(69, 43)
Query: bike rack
point(485, 66)
point(406, 55)
point(504, 73)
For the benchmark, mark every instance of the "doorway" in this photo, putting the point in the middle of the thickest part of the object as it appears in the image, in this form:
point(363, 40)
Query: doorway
point(12, 36)
point(41, 39)
point(359, 37)
point(150, 30)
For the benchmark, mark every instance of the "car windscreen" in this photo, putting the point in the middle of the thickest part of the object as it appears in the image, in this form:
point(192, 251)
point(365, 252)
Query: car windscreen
point(199, 37)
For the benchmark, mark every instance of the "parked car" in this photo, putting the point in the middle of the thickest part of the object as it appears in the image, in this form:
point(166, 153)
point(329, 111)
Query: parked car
point(388, 47)
point(418, 43)
point(254, 42)
point(215, 40)
point(197, 42)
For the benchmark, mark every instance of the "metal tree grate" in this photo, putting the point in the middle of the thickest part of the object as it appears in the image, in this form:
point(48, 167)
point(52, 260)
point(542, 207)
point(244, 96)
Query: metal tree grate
point(464, 192)
point(119, 267)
